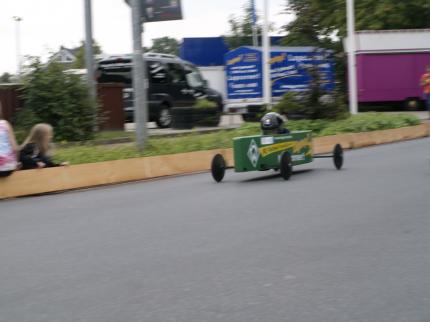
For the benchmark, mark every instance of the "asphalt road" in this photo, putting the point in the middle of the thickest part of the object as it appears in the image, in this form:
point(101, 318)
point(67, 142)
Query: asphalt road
point(327, 246)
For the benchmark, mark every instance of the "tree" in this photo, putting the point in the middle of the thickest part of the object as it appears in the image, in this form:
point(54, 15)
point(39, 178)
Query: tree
point(316, 103)
point(5, 78)
point(165, 45)
point(322, 23)
point(80, 55)
point(60, 99)
point(304, 30)
point(318, 19)
point(241, 28)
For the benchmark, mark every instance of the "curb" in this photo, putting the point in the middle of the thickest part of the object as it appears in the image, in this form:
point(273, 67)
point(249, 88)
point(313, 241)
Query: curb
point(39, 181)
point(360, 140)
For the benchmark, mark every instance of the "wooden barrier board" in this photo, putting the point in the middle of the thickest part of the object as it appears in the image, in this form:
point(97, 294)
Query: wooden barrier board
point(31, 182)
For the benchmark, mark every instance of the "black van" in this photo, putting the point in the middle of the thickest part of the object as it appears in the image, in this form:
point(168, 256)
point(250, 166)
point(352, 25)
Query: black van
point(173, 82)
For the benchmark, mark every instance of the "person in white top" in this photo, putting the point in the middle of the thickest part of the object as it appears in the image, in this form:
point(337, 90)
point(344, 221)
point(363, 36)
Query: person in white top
point(8, 147)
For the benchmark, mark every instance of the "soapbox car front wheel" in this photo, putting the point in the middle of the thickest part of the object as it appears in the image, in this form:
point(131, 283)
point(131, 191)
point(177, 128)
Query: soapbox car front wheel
point(218, 167)
point(338, 156)
point(286, 166)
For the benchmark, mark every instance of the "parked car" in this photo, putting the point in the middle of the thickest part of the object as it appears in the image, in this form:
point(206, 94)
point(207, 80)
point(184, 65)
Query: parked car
point(173, 82)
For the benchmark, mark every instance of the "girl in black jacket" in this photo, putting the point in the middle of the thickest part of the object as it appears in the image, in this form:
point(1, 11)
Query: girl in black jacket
point(34, 152)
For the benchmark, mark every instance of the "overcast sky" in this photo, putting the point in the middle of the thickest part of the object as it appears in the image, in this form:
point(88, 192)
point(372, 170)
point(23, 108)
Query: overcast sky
point(48, 24)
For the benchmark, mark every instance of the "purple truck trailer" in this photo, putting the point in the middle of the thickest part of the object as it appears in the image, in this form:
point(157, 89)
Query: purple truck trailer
point(390, 64)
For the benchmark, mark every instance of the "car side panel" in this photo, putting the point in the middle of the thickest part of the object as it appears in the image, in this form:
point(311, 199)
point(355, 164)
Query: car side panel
point(263, 152)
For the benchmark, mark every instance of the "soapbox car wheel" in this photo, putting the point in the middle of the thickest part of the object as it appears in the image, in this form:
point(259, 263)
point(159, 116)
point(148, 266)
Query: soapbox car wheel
point(286, 166)
point(218, 167)
point(338, 156)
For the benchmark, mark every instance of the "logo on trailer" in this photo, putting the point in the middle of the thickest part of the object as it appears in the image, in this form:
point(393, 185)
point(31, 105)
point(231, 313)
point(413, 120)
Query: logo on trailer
point(253, 153)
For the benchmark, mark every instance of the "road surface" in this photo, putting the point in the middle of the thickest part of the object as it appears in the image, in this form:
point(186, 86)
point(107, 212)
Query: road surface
point(326, 246)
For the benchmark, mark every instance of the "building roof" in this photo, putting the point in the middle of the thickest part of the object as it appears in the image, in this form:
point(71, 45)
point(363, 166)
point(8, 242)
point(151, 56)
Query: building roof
point(65, 55)
point(391, 41)
point(308, 49)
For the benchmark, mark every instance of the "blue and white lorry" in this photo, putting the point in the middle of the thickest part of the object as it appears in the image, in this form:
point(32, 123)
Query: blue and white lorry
point(289, 73)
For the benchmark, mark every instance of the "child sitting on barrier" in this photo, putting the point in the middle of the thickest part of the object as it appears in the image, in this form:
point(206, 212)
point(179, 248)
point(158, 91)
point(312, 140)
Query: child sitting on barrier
point(35, 151)
point(8, 147)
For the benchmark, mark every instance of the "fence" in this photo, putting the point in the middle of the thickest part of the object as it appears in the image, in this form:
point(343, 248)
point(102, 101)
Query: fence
point(109, 96)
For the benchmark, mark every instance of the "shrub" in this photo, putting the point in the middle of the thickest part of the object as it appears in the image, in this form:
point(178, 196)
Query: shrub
point(370, 122)
point(314, 103)
point(290, 106)
point(358, 123)
point(60, 99)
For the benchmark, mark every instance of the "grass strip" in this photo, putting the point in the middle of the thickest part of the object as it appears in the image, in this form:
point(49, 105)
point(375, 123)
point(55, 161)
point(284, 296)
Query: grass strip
point(223, 139)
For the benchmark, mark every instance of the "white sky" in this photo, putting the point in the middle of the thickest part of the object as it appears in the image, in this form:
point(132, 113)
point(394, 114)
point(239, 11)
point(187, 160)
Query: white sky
point(48, 24)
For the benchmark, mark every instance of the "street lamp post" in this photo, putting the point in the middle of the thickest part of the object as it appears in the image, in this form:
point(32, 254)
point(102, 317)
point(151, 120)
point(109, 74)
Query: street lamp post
point(267, 88)
point(352, 62)
point(18, 44)
point(254, 25)
point(89, 52)
point(139, 78)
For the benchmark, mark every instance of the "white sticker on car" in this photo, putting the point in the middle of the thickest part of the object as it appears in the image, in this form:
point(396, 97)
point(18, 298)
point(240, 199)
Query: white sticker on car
point(266, 140)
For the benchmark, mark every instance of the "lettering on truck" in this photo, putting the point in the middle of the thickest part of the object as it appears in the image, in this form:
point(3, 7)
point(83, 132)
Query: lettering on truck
point(235, 60)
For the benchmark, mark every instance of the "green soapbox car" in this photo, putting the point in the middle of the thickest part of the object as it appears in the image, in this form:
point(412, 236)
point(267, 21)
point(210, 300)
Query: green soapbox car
point(277, 152)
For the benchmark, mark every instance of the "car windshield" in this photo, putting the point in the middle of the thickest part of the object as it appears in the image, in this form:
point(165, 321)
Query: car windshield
point(194, 78)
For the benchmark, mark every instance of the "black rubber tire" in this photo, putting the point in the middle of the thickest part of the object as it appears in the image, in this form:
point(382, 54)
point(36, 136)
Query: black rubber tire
point(207, 117)
point(164, 117)
point(286, 165)
point(182, 118)
point(218, 167)
point(338, 156)
point(413, 104)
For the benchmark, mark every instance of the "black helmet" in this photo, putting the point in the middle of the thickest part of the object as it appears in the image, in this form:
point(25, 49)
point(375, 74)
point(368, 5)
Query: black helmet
point(272, 123)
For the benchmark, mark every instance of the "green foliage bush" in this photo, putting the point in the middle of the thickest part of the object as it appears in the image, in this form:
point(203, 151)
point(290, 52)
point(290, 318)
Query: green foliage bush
point(60, 99)
point(358, 123)
point(369, 122)
point(290, 106)
point(314, 103)
point(311, 106)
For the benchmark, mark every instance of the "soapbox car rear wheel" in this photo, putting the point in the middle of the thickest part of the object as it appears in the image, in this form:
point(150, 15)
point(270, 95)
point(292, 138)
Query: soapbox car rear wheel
point(286, 166)
point(218, 167)
point(338, 156)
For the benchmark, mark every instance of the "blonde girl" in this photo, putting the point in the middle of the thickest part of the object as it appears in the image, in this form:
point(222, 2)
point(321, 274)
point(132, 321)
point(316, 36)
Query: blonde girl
point(35, 151)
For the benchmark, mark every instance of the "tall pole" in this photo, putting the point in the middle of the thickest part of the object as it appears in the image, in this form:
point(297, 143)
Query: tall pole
point(267, 88)
point(89, 52)
point(139, 76)
point(352, 62)
point(254, 25)
point(18, 45)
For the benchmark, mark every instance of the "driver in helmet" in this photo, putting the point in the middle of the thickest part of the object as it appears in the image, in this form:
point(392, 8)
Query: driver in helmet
point(273, 123)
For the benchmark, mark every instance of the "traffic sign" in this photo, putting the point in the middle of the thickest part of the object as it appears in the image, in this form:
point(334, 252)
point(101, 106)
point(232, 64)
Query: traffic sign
point(160, 10)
